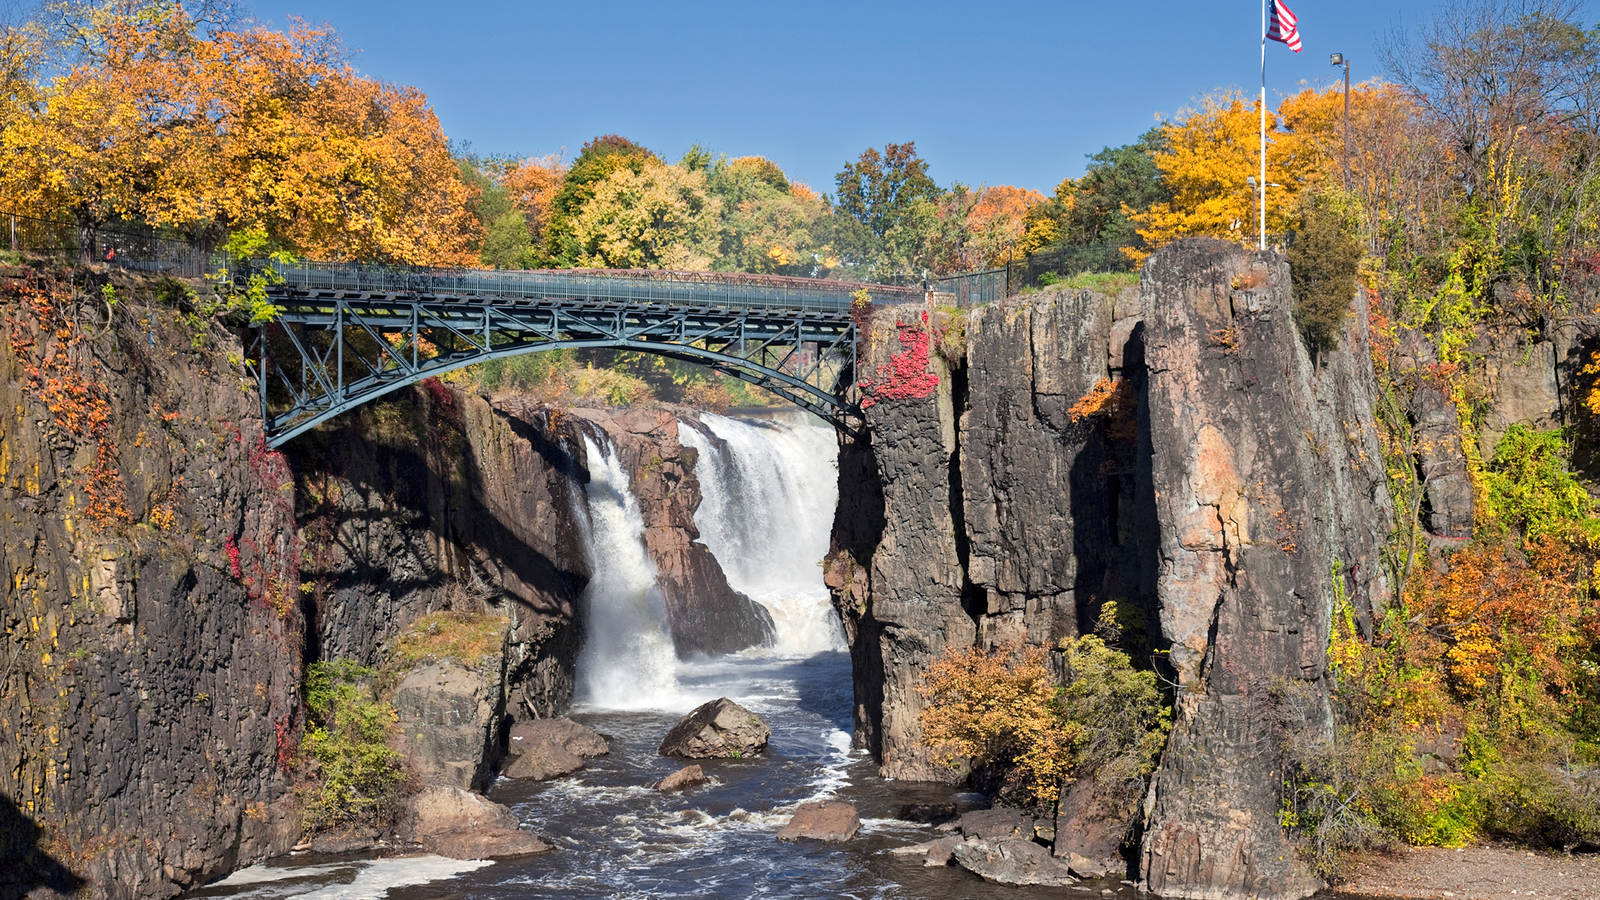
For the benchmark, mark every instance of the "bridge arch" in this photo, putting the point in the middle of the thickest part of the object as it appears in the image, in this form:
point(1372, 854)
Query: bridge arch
point(347, 335)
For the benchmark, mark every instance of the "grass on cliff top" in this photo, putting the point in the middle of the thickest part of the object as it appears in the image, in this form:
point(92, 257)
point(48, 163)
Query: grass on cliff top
point(467, 638)
point(1099, 282)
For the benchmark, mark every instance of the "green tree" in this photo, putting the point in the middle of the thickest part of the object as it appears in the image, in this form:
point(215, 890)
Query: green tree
point(595, 163)
point(506, 243)
point(888, 204)
point(1322, 264)
point(769, 224)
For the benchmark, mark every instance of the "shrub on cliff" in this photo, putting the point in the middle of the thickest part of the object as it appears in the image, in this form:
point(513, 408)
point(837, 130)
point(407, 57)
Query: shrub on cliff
point(1002, 711)
point(354, 776)
point(1322, 265)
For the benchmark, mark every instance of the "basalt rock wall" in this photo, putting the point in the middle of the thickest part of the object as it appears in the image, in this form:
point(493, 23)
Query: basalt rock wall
point(1172, 449)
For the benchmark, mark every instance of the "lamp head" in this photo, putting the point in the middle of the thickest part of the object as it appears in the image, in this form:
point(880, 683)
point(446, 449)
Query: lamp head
point(1336, 58)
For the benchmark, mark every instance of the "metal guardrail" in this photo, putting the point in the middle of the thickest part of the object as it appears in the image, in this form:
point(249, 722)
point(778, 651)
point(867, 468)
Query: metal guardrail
point(633, 286)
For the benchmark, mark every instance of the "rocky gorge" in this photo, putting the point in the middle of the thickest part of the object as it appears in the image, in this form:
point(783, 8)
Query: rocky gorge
point(1171, 450)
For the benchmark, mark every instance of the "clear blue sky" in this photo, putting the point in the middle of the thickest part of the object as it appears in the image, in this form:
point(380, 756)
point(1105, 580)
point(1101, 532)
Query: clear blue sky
point(995, 93)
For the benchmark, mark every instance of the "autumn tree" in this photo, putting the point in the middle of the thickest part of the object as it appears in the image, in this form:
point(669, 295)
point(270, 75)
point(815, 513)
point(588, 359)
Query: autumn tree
point(888, 215)
point(242, 131)
point(531, 185)
point(769, 224)
point(506, 242)
point(996, 221)
point(660, 217)
point(595, 163)
point(1210, 153)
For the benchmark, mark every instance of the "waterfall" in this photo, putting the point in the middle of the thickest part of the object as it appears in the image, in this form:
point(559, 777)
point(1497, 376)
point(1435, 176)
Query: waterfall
point(627, 661)
point(768, 490)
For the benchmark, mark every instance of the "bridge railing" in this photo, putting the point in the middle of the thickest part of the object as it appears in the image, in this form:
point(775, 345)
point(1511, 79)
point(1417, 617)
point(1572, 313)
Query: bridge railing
point(589, 286)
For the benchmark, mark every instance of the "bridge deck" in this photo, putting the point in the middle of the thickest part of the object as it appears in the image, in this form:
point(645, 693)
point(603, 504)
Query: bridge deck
point(590, 286)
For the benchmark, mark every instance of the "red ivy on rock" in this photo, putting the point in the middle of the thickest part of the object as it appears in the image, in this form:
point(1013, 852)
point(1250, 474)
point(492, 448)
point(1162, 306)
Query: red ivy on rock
point(906, 376)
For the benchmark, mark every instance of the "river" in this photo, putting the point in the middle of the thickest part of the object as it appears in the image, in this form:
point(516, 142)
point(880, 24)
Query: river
point(769, 490)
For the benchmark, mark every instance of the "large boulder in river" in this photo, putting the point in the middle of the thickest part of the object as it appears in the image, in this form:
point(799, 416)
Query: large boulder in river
point(548, 748)
point(720, 728)
point(459, 824)
point(1012, 861)
point(449, 719)
point(1092, 821)
point(822, 820)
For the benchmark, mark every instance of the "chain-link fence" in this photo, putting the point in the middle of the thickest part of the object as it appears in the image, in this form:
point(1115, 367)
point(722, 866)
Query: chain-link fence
point(124, 246)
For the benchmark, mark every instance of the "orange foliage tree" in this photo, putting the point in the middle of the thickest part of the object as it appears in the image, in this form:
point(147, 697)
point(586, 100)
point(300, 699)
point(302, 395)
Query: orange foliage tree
point(240, 130)
point(996, 222)
point(532, 184)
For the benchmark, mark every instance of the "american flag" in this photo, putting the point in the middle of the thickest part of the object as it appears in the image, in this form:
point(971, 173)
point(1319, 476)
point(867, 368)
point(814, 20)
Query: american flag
point(1281, 26)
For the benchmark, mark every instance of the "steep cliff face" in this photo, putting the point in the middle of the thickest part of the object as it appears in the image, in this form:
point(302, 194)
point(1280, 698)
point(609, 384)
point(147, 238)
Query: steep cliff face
point(150, 667)
point(704, 613)
point(1173, 450)
point(438, 500)
point(1267, 487)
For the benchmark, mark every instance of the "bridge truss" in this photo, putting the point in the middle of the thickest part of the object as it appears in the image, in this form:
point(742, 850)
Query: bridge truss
point(347, 335)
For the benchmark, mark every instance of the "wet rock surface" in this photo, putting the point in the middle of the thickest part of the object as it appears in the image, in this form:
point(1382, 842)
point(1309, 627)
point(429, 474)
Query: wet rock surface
point(1012, 861)
point(683, 779)
point(704, 613)
point(460, 824)
point(717, 729)
point(822, 820)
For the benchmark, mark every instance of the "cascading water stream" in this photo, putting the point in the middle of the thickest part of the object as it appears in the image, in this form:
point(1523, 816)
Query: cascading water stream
point(627, 661)
point(768, 489)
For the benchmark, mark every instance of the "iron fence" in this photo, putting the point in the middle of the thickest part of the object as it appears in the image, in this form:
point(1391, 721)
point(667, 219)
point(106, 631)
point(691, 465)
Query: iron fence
point(124, 246)
point(990, 285)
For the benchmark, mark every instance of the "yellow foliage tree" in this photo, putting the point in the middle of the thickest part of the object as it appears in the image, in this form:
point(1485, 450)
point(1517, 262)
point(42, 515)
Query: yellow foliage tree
point(660, 217)
point(1210, 152)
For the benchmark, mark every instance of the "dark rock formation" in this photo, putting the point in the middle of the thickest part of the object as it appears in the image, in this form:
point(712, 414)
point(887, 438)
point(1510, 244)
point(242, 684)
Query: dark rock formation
point(548, 748)
point(1012, 861)
point(437, 499)
point(1174, 450)
point(719, 728)
point(706, 616)
point(530, 735)
point(683, 779)
point(1092, 824)
point(822, 820)
point(453, 822)
point(151, 644)
point(449, 719)
point(995, 824)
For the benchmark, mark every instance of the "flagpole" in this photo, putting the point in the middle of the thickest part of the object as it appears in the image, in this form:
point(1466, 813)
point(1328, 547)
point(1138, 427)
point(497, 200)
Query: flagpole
point(1261, 183)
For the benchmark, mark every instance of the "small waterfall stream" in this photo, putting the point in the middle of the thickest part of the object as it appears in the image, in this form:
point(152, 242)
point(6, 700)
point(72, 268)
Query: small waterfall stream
point(627, 661)
point(768, 488)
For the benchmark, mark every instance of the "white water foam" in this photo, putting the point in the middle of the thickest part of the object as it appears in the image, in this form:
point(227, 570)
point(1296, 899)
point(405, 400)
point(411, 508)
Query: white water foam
point(369, 879)
point(768, 490)
point(627, 660)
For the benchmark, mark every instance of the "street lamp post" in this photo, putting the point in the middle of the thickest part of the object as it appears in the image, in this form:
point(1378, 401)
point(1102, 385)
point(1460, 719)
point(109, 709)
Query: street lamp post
point(1339, 59)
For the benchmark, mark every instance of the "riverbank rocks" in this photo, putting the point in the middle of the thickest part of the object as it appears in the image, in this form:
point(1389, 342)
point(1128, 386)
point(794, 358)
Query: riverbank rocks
point(1013, 861)
point(459, 824)
point(549, 748)
point(448, 715)
point(934, 854)
point(822, 820)
point(686, 777)
point(1091, 823)
point(718, 729)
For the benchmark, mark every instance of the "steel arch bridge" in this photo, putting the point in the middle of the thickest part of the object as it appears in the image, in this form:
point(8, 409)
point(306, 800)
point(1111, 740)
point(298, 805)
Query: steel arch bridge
point(348, 334)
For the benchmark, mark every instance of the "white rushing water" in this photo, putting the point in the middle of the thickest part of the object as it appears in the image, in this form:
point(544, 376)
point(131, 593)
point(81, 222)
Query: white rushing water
point(768, 489)
point(627, 661)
